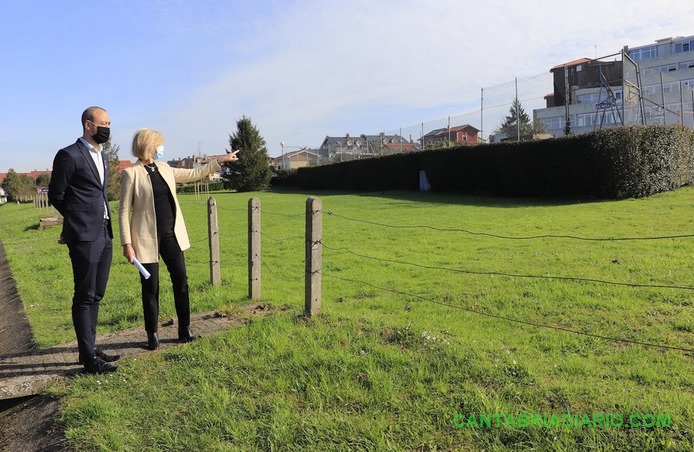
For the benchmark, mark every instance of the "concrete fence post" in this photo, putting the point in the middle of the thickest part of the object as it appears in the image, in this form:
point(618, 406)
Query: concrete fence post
point(254, 282)
point(213, 238)
point(314, 255)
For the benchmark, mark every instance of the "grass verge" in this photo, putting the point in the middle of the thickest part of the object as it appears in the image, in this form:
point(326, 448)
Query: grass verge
point(433, 306)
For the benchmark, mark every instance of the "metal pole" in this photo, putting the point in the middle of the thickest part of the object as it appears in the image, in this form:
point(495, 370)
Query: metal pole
point(517, 112)
point(567, 95)
point(639, 87)
point(449, 131)
point(624, 90)
point(482, 113)
point(662, 94)
point(681, 104)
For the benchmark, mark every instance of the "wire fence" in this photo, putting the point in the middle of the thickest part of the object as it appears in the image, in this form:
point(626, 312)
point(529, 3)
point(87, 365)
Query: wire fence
point(459, 270)
point(336, 252)
point(648, 95)
point(666, 99)
point(488, 112)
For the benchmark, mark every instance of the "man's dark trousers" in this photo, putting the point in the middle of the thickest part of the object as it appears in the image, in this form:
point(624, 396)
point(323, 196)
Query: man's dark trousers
point(91, 263)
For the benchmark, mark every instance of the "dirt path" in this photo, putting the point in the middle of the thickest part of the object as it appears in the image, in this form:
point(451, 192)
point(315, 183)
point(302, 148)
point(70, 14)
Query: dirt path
point(25, 424)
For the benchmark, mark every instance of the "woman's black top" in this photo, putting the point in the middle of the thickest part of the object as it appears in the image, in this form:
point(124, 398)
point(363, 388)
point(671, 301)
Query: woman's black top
point(164, 207)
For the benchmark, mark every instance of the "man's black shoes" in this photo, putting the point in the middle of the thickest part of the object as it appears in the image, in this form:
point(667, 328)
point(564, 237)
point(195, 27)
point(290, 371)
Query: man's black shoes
point(99, 366)
point(104, 356)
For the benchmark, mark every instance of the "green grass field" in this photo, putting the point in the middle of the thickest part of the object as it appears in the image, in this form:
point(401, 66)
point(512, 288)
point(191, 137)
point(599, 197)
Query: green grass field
point(437, 310)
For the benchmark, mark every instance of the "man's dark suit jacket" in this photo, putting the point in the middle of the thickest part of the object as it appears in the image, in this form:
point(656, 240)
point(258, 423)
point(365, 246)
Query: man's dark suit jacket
point(76, 192)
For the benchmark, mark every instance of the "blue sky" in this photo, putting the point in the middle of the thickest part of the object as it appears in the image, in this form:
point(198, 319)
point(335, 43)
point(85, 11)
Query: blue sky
point(300, 69)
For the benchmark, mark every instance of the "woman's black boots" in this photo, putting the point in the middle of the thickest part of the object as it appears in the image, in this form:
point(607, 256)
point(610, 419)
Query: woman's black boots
point(185, 335)
point(152, 341)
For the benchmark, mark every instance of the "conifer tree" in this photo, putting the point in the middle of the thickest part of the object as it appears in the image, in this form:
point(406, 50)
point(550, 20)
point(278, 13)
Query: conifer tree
point(510, 126)
point(111, 151)
point(251, 172)
point(43, 180)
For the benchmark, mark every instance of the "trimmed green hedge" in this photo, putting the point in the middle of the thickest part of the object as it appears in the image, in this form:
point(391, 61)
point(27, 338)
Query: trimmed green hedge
point(623, 162)
point(190, 188)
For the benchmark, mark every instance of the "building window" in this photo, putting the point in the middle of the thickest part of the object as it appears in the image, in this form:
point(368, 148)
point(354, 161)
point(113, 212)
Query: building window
point(671, 87)
point(644, 53)
point(667, 68)
point(684, 46)
point(594, 98)
point(556, 123)
point(609, 118)
point(588, 98)
point(585, 120)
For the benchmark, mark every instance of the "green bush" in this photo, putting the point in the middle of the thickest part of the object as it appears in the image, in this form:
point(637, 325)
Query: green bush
point(190, 188)
point(283, 177)
point(646, 160)
point(623, 162)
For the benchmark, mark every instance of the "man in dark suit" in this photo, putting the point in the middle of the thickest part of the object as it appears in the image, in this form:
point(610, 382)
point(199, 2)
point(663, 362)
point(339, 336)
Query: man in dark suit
point(78, 191)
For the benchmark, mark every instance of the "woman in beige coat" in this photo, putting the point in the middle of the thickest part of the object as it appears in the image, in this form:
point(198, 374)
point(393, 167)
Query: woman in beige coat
point(151, 225)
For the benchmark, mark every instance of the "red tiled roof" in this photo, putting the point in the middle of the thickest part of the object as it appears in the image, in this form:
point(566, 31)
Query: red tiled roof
point(33, 174)
point(122, 164)
point(571, 63)
point(464, 127)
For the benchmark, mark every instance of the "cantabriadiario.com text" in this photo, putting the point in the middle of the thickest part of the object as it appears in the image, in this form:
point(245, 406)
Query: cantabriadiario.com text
point(562, 420)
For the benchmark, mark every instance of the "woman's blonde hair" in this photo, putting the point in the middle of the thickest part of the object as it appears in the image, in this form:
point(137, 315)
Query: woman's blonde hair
point(145, 142)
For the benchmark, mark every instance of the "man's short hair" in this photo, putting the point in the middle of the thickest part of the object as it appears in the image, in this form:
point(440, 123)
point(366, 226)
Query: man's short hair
point(88, 114)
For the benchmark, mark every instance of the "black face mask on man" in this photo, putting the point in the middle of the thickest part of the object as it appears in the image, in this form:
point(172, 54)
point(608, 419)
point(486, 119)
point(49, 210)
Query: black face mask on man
point(102, 134)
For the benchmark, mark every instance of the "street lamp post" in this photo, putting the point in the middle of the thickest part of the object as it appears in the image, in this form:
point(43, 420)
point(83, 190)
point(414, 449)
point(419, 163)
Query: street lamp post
point(282, 144)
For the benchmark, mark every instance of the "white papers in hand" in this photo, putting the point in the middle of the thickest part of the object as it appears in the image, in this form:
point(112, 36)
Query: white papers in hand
point(143, 271)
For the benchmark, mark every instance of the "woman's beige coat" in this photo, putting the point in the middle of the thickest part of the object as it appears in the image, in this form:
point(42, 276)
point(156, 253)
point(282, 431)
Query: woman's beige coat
point(137, 219)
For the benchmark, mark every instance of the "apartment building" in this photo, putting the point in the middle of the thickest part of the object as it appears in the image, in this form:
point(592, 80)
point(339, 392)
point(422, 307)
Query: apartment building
point(650, 84)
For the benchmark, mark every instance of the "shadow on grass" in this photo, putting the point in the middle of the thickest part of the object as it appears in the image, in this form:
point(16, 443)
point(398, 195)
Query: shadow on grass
point(442, 198)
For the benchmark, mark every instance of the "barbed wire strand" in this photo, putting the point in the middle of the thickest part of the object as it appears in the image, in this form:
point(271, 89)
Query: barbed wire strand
point(512, 275)
point(513, 320)
point(508, 237)
point(274, 274)
point(291, 238)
